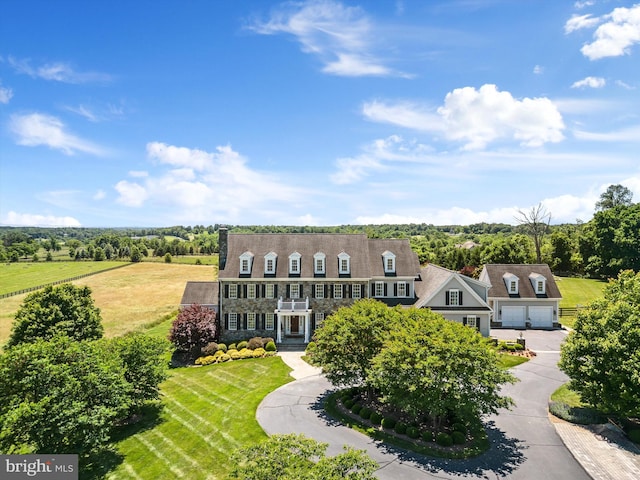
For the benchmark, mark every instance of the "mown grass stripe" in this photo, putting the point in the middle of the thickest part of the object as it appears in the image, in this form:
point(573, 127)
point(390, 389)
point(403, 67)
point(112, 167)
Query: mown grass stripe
point(173, 446)
point(152, 448)
point(204, 421)
point(229, 378)
point(186, 424)
point(209, 396)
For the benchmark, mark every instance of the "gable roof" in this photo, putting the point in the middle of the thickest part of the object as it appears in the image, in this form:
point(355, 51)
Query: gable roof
point(496, 272)
point(365, 254)
point(433, 278)
point(202, 293)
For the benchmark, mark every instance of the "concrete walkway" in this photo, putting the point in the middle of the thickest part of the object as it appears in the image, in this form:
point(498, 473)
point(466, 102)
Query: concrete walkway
point(602, 452)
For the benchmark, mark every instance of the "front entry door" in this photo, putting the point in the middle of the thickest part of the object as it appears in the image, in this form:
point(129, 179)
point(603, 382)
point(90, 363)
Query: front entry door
point(295, 325)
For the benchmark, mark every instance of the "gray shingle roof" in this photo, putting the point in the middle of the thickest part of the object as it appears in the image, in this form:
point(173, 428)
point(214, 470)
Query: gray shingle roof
point(522, 271)
point(202, 293)
point(365, 254)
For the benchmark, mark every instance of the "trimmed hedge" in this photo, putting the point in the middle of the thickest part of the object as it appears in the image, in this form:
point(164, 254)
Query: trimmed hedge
point(444, 439)
point(400, 428)
point(376, 418)
point(413, 432)
point(427, 436)
point(388, 422)
point(458, 438)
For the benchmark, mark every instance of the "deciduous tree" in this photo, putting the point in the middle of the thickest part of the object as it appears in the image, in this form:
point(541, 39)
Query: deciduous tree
point(536, 223)
point(602, 354)
point(64, 309)
point(614, 196)
point(194, 327)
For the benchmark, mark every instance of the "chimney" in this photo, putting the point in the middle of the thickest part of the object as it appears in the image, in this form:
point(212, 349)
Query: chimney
point(223, 245)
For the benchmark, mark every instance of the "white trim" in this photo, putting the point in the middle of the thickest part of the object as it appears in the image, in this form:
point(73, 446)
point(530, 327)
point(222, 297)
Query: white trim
point(271, 256)
point(344, 263)
point(320, 259)
point(295, 263)
point(246, 262)
point(389, 262)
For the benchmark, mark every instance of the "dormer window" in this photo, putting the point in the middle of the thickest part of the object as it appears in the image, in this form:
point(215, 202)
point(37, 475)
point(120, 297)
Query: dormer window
point(270, 263)
point(389, 262)
point(319, 263)
point(294, 263)
point(511, 282)
point(246, 261)
point(539, 283)
point(344, 264)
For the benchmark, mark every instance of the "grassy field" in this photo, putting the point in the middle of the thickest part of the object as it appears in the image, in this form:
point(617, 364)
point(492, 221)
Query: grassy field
point(129, 298)
point(208, 413)
point(20, 275)
point(578, 291)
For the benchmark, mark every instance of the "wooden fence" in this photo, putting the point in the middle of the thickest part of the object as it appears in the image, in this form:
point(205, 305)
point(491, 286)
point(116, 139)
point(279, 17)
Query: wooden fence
point(570, 311)
point(58, 282)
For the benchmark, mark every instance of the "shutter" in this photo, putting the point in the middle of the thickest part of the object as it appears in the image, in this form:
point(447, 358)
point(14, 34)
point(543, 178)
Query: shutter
point(385, 289)
point(226, 320)
point(275, 290)
point(326, 291)
point(407, 289)
point(460, 297)
point(300, 286)
point(395, 289)
point(288, 291)
point(244, 321)
point(464, 321)
point(263, 290)
point(244, 291)
point(313, 291)
point(226, 291)
point(446, 300)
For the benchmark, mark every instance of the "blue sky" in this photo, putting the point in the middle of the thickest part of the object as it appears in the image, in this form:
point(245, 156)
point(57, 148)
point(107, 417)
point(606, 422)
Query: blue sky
point(157, 113)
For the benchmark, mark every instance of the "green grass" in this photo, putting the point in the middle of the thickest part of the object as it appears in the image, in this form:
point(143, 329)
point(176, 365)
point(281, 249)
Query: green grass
point(186, 259)
point(565, 395)
point(578, 291)
point(21, 275)
point(208, 413)
point(507, 361)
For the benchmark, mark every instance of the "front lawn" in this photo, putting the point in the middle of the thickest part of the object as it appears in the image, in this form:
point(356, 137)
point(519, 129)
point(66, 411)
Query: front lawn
point(578, 292)
point(208, 413)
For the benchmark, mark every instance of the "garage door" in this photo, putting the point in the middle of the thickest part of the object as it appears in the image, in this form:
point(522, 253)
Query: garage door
point(513, 316)
point(541, 317)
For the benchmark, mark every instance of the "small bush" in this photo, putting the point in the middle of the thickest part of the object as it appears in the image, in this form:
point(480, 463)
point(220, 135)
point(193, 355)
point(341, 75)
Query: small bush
point(209, 349)
point(259, 352)
point(234, 354)
point(365, 413)
point(427, 436)
point(208, 360)
point(581, 415)
point(311, 348)
point(388, 422)
point(245, 353)
point(356, 408)
point(634, 435)
point(270, 346)
point(222, 347)
point(375, 418)
point(400, 428)
point(233, 346)
point(458, 438)
point(348, 403)
point(255, 342)
point(413, 432)
point(241, 345)
point(444, 439)
point(459, 427)
point(517, 346)
point(224, 358)
point(266, 340)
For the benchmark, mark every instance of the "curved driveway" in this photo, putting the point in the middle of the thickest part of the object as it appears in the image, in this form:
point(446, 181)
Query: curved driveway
point(524, 444)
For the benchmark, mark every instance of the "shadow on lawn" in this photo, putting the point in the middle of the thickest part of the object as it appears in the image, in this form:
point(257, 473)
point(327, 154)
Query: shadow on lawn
point(99, 464)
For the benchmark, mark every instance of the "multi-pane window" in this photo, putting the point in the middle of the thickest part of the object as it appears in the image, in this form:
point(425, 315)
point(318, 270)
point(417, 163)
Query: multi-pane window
point(295, 267)
point(251, 290)
point(540, 288)
point(270, 266)
point(513, 287)
point(269, 291)
point(251, 321)
point(233, 321)
point(245, 265)
point(454, 297)
point(378, 289)
point(233, 290)
point(269, 321)
point(294, 290)
point(390, 265)
point(472, 321)
point(337, 290)
point(319, 293)
point(319, 319)
point(402, 289)
point(270, 263)
point(356, 291)
point(343, 263)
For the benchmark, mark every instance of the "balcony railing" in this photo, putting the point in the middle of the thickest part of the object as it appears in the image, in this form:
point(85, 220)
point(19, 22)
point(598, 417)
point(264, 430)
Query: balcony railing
point(293, 305)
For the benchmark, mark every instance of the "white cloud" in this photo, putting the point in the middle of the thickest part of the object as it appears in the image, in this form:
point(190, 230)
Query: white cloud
point(35, 220)
point(57, 71)
point(478, 117)
point(99, 195)
point(581, 4)
point(578, 22)
point(629, 134)
point(201, 184)
point(37, 129)
point(538, 70)
point(84, 112)
point(615, 37)
point(339, 35)
point(5, 94)
point(591, 82)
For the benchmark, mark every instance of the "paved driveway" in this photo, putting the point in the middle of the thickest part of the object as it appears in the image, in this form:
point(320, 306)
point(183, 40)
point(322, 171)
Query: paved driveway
point(524, 444)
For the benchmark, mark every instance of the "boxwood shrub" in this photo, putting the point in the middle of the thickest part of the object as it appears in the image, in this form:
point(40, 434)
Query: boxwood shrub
point(458, 438)
point(427, 436)
point(356, 408)
point(400, 428)
point(241, 345)
point(270, 347)
point(459, 427)
point(365, 413)
point(413, 432)
point(348, 403)
point(388, 422)
point(444, 439)
point(375, 418)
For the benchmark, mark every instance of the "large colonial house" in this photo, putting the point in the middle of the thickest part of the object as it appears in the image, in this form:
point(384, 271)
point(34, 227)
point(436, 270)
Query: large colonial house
point(522, 296)
point(284, 285)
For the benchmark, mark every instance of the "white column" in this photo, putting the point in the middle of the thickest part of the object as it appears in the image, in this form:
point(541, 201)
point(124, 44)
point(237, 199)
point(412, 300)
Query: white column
point(279, 329)
point(307, 326)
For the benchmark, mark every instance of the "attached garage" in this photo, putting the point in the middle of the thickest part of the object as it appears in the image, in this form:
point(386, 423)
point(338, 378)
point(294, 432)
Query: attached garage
point(541, 317)
point(513, 316)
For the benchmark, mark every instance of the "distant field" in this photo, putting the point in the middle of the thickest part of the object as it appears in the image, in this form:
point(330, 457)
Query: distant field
point(186, 259)
point(578, 292)
point(129, 298)
point(20, 275)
